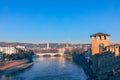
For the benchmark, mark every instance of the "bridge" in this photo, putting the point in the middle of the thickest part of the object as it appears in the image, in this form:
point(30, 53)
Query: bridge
point(49, 54)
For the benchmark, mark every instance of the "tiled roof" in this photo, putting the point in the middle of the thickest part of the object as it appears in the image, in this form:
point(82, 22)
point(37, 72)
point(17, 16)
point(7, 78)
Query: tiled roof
point(117, 44)
point(113, 45)
point(100, 34)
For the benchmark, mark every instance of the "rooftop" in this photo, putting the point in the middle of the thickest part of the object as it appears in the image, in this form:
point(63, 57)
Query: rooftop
point(113, 45)
point(100, 34)
point(117, 44)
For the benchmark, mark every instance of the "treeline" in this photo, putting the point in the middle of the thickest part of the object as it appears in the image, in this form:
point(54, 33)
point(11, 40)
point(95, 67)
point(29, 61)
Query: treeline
point(19, 56)
point(70, 53)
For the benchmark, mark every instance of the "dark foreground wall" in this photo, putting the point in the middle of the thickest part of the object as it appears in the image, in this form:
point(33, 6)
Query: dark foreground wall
point(81, 60)
point(106, 66)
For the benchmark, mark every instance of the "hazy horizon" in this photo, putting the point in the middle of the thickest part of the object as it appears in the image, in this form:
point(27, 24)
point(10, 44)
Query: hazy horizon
point(59, 21)
point(43, 42)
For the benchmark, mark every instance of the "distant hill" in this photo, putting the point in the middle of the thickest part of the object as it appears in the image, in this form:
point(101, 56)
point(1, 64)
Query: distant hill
point(41, 45)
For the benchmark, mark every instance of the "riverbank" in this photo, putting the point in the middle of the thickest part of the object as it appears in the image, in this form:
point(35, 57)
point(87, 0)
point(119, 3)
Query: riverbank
point(79, 59)
point(14, 66)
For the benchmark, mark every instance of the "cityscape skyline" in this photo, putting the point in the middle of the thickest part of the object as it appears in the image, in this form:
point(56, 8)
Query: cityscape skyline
point(58, 21)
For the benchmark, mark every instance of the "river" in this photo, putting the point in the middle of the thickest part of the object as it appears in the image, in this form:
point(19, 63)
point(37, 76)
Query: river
point(49, 68)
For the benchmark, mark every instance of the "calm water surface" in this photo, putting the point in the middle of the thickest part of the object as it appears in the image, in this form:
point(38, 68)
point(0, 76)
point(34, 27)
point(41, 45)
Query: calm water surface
point(49, 68)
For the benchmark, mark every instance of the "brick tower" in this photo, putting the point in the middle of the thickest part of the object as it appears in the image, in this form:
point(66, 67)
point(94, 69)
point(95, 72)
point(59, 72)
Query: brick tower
point(99, 42)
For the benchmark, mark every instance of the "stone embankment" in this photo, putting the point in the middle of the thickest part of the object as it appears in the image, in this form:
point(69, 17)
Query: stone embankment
point(106, 66)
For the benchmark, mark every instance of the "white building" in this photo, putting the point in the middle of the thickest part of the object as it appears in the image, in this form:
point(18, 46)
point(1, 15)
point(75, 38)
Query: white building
point(21, 47)
point(8, 50)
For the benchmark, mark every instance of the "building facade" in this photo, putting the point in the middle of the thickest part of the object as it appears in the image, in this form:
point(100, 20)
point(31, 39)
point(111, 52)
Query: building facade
point(8, 50)
point(115, 48)
point(99, 42)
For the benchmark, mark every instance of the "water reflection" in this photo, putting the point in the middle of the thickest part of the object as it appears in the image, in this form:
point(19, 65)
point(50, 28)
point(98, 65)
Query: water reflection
point(49, 68)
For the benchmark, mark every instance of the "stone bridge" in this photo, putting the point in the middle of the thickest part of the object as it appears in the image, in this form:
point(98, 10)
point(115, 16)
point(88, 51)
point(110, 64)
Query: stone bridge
point(49, 54)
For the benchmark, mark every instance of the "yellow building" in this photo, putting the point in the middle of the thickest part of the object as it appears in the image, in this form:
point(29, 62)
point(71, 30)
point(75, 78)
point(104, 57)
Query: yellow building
point(99, 42)
point(115, 48)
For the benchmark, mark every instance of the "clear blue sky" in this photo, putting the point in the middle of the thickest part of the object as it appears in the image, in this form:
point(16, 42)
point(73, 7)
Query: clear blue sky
point(58, 20)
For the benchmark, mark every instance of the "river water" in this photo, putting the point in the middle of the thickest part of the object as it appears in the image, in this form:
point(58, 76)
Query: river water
point(49, 68)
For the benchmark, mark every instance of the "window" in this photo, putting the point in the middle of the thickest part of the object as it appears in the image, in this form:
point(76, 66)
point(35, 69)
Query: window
point(105, 48)
point(119, 48)
point(100, 37)
point(95, 38)
point(109, 49)
point(105, 37)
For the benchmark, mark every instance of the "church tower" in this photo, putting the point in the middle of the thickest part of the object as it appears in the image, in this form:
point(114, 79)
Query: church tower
point(99, 42)
point(48, 45)
point(67, 45)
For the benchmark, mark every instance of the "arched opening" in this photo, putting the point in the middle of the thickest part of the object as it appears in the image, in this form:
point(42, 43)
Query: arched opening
point(101, 47)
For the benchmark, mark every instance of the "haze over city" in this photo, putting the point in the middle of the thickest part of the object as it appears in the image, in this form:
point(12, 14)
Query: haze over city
point(58, 20)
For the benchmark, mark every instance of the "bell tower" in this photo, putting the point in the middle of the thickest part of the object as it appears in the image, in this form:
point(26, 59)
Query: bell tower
point(99, 42)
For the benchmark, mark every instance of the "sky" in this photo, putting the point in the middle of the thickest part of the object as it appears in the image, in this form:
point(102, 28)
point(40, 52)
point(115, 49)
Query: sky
point(58, 20)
